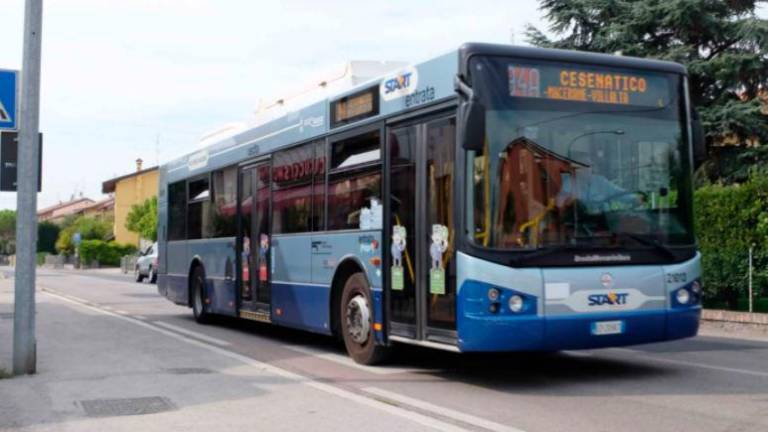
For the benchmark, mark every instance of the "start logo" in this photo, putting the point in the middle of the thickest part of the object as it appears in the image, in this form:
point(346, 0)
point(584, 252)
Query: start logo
point(611, 299)
point(401, 84)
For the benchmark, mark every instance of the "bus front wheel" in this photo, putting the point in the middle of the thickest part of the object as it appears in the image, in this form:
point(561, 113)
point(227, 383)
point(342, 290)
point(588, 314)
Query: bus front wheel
point(198, 296)
point(356, 318)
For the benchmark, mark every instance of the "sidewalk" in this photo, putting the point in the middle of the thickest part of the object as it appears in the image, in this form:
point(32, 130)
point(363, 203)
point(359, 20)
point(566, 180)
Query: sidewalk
point(95, 369)
point(101, 270)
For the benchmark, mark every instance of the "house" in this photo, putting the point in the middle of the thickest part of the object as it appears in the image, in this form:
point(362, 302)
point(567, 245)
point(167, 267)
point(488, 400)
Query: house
point(103, 209)
point(128, 190)
point(57, 213)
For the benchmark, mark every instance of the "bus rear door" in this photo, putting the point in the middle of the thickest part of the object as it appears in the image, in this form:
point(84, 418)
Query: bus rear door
point(254, 242)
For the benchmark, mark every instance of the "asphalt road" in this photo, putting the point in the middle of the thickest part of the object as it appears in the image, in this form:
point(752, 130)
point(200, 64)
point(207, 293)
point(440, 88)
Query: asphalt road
point(701, 384)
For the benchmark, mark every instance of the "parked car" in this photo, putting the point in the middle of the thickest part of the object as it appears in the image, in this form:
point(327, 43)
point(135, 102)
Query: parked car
point(146, 265)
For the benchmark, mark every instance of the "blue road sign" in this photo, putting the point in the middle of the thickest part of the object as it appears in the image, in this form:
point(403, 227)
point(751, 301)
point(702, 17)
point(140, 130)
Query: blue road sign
point(9, 99)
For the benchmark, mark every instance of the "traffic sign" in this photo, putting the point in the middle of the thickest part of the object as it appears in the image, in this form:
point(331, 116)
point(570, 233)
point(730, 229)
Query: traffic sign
point(9, 99)
point(9, 157)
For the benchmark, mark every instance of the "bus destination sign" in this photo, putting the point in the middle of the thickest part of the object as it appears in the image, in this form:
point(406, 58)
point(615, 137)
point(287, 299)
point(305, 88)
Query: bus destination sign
point(588, 85)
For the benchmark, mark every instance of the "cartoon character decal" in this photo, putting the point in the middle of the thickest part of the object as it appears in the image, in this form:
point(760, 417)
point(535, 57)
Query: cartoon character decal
point(439, 245)
point(398, 247)
point(245, 259)
point(436, 250)
point(263, 250)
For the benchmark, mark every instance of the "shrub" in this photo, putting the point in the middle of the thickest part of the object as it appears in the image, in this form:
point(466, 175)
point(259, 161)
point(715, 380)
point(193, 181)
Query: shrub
point(89, 228)
point(106, 253)
point(730, 219)
point(41, 258)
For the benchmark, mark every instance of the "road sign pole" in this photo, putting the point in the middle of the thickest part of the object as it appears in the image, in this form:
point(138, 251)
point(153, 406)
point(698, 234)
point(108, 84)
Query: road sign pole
point(24, 343)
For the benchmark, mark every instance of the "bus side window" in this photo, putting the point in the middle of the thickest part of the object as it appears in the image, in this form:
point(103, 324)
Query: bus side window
point(222, 221)
point(177, 209)
point(292, 190)
point(354, 183)
point(318, 188)
point(198, 205)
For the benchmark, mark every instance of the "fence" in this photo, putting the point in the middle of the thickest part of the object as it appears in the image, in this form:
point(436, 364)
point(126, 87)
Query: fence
point(736, 280)
point(128, 263)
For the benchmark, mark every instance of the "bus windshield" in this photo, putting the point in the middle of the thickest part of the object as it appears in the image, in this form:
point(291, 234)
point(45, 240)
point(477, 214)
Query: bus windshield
point(578, 155)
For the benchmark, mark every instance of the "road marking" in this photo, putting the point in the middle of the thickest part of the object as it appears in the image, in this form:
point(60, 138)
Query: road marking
point(121, 312)
point(196, 335)
point(441, 411)
point(78, 299)
point(421, 419)
point(141, 317)
point(637, 354)
point(347, 361)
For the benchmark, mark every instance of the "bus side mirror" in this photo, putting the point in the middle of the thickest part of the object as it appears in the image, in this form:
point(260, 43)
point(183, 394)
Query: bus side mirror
point(473, 125)
point(699, 141)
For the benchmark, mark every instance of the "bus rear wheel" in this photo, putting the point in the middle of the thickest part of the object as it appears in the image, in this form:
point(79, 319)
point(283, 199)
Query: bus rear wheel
point(356, 318)
point(198, 296)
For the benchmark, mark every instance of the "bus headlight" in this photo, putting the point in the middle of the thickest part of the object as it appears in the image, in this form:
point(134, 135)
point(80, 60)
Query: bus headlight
point(493, 294)
point(683, 297)
point(515, 303)
point(696, 287)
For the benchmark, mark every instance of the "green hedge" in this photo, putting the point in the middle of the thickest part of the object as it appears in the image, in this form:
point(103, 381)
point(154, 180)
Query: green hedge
point(106, 253)
point(728, 220)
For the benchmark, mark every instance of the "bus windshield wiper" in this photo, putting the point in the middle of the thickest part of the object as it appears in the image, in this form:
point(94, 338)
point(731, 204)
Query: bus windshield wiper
point(649, 242)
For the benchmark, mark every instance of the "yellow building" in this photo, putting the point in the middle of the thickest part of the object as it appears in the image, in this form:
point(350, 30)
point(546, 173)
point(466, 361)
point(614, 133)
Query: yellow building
point(128, 190)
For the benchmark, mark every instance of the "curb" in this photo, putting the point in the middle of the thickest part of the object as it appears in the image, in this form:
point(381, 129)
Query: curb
point(734, 317)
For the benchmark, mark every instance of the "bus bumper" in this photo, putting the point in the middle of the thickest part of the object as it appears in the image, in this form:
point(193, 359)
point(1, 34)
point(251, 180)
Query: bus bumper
point(540, 333)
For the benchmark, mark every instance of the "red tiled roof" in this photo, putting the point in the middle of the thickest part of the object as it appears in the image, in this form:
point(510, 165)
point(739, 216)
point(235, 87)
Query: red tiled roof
point(61, 205)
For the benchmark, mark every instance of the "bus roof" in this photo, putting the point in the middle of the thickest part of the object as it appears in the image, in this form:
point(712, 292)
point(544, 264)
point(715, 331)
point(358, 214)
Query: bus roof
point(567, 56)
point(404, 88)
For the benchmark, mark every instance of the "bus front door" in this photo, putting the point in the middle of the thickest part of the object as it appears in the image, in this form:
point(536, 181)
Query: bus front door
point(254, 245)
point(422, 266)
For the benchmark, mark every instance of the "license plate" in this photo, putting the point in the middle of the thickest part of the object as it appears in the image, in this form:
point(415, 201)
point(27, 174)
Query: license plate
point(600, 328)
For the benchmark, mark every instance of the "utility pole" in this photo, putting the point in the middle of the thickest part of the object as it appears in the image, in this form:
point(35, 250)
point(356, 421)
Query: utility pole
point(24, 343)
point(157, 149)
point(750, 279)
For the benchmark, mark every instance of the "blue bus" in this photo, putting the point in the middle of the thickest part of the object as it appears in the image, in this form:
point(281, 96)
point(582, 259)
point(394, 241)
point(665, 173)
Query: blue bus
point(495, 198)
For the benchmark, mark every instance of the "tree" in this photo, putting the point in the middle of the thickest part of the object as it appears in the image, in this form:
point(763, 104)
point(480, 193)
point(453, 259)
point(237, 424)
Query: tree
point(142, 219)
point(723, 44)
point(7, 231)
point(47, 233)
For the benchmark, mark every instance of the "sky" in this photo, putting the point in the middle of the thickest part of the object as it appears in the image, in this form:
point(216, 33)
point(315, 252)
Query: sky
point(147, 79)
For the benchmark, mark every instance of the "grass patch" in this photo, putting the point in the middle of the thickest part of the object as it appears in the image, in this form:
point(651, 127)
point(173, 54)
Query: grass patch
point(4, 374)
